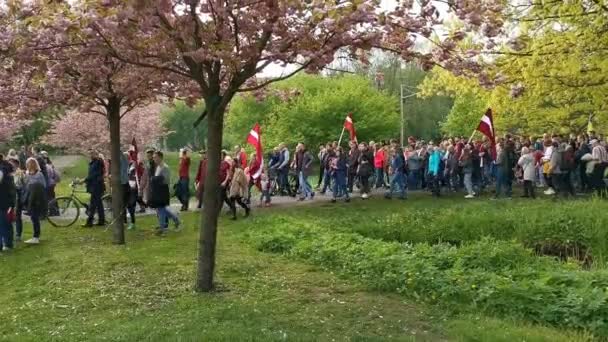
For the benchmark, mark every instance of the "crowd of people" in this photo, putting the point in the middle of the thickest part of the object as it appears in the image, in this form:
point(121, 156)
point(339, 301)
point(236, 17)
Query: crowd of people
point(561, 165)
point(27, 184)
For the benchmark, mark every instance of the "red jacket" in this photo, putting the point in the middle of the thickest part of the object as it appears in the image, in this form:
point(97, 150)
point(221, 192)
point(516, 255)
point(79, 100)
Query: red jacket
point(184, 167)
point(243, 160)
point(201, 174)
point(379, 159)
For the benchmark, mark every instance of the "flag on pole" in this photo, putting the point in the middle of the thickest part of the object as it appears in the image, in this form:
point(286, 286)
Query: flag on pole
point(349, 125)
point(255, 139)
point(133, 150)
point(590, 124)
point(486, 127)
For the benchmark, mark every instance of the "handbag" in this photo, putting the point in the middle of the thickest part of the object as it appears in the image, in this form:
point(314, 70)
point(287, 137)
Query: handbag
point(10, 216)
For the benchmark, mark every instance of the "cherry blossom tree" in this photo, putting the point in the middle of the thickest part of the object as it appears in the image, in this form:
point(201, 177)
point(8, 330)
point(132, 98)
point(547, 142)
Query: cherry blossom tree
point(221, 45)
point(9, 126)
point(51, 57)
point(213, 49)
point(78, 132)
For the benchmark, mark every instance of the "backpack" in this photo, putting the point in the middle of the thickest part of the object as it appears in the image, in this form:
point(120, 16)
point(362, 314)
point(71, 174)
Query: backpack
point(568, 162)
point(8, 184)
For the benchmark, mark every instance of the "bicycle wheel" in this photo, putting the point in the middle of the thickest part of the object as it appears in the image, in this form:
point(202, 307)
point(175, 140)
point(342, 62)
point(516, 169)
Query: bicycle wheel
point(107, 208)
point(68, 212)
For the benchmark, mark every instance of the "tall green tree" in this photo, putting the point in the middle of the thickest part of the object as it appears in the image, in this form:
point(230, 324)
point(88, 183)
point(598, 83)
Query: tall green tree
point(311, 109)
point(178, 120)
point(422, 114)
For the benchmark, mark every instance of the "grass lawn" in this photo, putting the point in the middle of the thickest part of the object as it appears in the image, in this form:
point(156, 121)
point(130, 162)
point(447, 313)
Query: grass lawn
point(77, 286)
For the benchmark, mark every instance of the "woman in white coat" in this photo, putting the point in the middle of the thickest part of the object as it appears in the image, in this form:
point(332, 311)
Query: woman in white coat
point(527, 162)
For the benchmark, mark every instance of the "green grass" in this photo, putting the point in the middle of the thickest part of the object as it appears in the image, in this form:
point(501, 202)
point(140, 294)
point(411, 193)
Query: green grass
point(501, 278)
point(77, 286)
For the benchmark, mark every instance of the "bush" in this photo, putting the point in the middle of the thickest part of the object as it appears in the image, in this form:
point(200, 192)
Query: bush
point(570, 228)
point(497, 277)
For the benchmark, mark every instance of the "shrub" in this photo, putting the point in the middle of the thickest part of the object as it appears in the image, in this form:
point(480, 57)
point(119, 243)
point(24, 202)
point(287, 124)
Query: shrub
point(496, 277)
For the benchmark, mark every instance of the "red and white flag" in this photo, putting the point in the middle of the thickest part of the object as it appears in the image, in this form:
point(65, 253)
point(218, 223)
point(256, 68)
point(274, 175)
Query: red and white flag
point(349, 125)
point(486, 127)
point(255, 139)
point(133, 150)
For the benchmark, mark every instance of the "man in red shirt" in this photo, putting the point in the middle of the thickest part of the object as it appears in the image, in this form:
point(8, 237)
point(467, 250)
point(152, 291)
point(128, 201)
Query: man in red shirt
point(183, 185)
point(199, 181)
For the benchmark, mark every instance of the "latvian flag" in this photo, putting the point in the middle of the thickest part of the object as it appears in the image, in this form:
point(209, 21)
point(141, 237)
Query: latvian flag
point(349, 125)
point(255, 139)
point(486, 127)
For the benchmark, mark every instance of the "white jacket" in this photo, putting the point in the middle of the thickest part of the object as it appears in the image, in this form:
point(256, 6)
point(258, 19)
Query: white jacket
point(527, 163)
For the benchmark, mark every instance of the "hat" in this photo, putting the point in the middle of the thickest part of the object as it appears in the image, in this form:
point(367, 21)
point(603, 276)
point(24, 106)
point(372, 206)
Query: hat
point(150, 150)
point(44, 153)
point(594, 141)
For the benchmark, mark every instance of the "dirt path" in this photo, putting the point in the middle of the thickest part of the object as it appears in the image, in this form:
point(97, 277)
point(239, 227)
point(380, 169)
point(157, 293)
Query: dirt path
point(62, 162)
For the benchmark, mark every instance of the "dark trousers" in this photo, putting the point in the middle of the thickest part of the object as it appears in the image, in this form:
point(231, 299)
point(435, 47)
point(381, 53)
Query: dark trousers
point(35, 217)
point(566, 187)
point(199, 196)
point(364, 180)
point(19, 218)
point(6, 230)
point(549, 180)
point(53, 208)
point(379, 177)
point(129, 198)
point(597, 178)
point(96, 206)
point(529, 189)
point(503, 183)
point(321, 174)
point(434, 183)
point(284, 181)
point(340, 185)
point(233, 201)
point(352, 174)
point(224, 196)
point(326, 181)
point(184, 192)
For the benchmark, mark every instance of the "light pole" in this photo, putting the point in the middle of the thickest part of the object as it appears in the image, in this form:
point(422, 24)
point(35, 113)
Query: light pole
point(402, 97)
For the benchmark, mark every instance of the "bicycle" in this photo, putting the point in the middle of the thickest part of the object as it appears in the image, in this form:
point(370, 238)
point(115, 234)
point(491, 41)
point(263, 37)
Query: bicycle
point(68, 207)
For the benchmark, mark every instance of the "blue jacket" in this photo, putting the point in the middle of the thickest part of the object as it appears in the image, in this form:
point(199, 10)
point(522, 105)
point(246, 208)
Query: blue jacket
point(275, 160)
point(398, 163)
point(434, 163)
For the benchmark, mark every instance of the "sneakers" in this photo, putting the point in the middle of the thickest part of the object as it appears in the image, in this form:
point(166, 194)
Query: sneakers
point(33, 241)
point(549, 191)
point(131, 226)
point(469, 196)
point(178, 226)
point(160, 232)
point(364, 196)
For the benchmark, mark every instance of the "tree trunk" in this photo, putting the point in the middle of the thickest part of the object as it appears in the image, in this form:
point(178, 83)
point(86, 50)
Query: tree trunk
point(118, 236)
point(211, 200)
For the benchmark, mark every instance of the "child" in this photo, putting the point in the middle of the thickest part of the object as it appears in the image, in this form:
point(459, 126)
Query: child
point(528, 163)
point(266, 186)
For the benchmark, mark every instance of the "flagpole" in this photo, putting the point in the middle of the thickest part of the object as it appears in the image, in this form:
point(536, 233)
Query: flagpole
point(341, 134)
point(472, 135)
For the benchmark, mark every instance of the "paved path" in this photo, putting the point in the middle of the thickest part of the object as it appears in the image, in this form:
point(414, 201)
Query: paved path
point(62, 162)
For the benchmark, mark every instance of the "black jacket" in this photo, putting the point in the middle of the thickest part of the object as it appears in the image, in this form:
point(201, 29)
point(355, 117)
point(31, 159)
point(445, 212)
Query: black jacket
point(94, 180)
point(353, 159)
point(160, 194)
point(8, 192)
